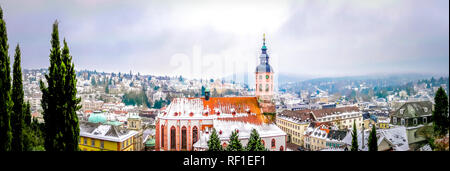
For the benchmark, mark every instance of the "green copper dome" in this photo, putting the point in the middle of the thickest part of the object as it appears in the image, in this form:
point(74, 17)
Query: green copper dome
point(150, 143)
point(97, 117)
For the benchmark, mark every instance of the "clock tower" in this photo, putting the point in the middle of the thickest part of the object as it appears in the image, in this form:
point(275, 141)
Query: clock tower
point(264, 76)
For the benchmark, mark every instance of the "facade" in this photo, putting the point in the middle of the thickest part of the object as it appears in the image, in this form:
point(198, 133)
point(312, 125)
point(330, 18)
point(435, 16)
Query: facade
point(186, 121)
point(135, 124)
point(315, 137)
point(271, 136)
point(99, 137)
point(343, 117)
point(264, 76)
point(413, 115)
point(294, 124)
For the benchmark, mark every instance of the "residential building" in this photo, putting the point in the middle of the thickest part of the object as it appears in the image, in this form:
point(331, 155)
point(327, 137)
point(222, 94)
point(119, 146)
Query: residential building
point(99, 137)
point(413, 115)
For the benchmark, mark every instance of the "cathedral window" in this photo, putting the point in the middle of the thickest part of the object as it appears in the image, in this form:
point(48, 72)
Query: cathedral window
point(183, 138)
point(162, 135)
point(273, 143)
point(172, 138)
point(194, 134)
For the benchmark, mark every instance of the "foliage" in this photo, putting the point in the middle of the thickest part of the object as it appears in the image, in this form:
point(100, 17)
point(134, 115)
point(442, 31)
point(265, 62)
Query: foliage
point(254, 142)
point(235, 144)
point(5, 89)
point(440, 113)
point(373, 141)
point(354, 138)
point(17, 117)
point(214, 142)
point(136, 98)
point(59, 101)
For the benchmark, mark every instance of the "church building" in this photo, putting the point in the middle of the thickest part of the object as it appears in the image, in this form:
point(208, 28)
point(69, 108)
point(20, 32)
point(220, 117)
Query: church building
point(186, 124)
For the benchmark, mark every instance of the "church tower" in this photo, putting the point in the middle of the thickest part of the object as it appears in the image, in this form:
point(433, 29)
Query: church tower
point(264, 76)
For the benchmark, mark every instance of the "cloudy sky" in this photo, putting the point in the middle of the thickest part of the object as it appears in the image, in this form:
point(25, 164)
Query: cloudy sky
point(196, 38)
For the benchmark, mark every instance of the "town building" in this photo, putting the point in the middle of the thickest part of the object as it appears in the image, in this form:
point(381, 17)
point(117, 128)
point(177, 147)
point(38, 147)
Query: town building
point(186, 120)
point(135, 123)
point(392, 139)
point(414, 116)
point(264, 76)
point(100, 137)
point(294, 123)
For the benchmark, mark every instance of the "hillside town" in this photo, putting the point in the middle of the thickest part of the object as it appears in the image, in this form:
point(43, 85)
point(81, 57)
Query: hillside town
point(134, 112)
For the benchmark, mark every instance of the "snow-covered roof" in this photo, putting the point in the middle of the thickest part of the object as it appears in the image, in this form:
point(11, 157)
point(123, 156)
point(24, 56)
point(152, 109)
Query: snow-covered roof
point(395, 136)
point(220, 107)
point(227, 127)
point(105, 132)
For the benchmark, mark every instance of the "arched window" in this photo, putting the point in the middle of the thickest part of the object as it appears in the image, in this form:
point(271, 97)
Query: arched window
point(172, 138)
point(194, 134)
point(183, 138)
point(267, 87)
point(260, 87)
point(281, 148)
point(273, 143)
point(162, 136)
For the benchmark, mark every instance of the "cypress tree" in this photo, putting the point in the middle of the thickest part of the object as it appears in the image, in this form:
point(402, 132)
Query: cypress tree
point(354, 138)
point(235, 144)
point(5, 89)
point(72, 129)
point(59, 102)
point(373, 141)
point(27, 113)
point(440, 113)
point(17, 118)
point(254, 142)
point(214, 142)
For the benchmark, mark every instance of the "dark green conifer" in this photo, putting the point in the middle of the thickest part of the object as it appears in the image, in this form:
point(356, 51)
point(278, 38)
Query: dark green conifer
point(440, 113)
point(254, 142)
point(373, 141)
point(235, 144)
point(59, 102)
point(18, 117)
point(5, 89)
point(354, 138)
point(214, 142)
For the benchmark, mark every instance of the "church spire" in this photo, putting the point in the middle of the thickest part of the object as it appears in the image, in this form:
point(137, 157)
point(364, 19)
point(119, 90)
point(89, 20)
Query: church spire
point(264, 48)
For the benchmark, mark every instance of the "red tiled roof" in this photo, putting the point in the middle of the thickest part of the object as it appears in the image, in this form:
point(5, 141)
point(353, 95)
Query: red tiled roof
point(240, 105)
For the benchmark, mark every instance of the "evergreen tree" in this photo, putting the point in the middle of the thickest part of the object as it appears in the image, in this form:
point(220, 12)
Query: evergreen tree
point(214, 142)
point(17, 118)
point(27, 113)
point(71, 129)
point(373, 141)
point(93, 81)
point(354, 138)
point(235, 144)
point(59, 102)
point(5, 89)
point(440, 113)
point(254, 142)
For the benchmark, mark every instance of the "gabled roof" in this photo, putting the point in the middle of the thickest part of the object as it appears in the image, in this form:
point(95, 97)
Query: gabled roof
point(105, 132)
point(414, 109)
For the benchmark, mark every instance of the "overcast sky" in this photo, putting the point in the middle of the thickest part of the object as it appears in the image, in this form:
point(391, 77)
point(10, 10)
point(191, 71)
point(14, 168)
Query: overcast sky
point(217, 38)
